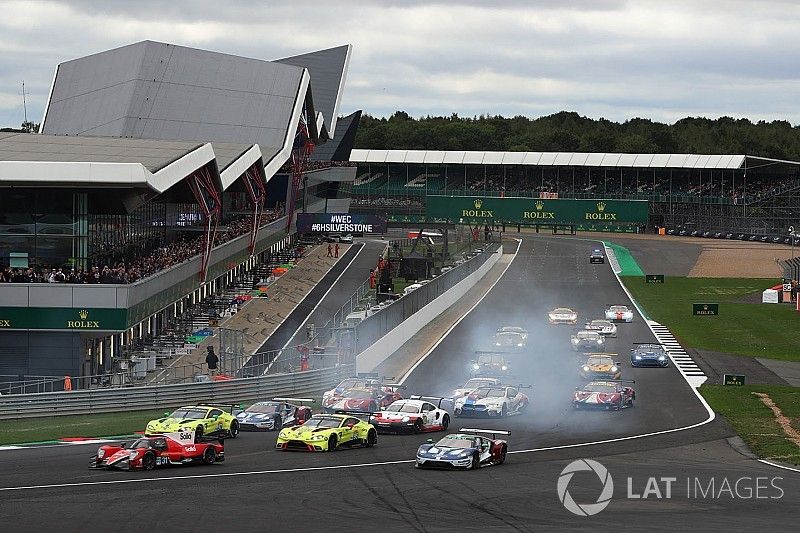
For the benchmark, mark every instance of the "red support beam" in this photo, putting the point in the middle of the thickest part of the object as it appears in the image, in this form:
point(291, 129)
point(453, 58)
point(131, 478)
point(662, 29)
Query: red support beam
point(301, 150)
point(257, 192)
point(202, 185)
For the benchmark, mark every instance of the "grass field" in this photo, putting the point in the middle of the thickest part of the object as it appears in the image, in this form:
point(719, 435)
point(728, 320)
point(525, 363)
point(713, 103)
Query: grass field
point(753, 329)
point(754, 421)
point(27, 430)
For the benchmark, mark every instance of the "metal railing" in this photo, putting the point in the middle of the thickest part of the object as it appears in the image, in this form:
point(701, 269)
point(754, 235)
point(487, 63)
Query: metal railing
point(164, 396)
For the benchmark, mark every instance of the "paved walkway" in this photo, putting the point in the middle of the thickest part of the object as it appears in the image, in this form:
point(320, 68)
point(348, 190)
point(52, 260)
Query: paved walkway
point(409, 353)
point(260, 317)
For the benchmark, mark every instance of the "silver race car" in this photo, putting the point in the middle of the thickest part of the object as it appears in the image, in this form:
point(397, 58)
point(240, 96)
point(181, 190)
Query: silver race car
point(606, 328)
point(587, 341)
point(562, 315)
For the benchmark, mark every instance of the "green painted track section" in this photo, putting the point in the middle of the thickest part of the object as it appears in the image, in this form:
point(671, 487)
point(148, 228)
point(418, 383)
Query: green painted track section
point(627, 263)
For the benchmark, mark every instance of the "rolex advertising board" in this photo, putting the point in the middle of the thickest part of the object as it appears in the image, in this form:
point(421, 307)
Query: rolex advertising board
point(483, 210)
point(59, 318)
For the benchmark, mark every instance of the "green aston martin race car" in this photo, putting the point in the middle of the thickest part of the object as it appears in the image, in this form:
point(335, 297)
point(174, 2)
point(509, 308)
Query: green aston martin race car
point(327, 433)
point(202, 419)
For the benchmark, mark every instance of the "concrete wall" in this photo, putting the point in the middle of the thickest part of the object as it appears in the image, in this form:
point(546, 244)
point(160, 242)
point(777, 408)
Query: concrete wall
point(373, 356)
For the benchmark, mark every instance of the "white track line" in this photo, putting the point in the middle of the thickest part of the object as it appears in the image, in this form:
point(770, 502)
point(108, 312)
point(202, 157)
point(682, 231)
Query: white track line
point(462, 317)
point(776, 465)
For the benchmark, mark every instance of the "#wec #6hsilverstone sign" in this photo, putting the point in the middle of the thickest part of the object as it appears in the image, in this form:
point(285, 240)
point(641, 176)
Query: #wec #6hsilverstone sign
point(466, 209)
point(339, 223)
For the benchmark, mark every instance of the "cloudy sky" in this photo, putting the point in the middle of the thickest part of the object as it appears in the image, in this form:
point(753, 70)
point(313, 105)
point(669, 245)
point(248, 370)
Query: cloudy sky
point(603, 58)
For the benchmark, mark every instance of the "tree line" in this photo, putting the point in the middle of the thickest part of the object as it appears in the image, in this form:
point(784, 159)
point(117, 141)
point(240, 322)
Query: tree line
point(570, 132)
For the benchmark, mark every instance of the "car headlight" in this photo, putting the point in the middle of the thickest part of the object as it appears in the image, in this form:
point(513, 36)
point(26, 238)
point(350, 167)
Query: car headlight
point(638, 357)
point(504, 367)
point(574, 341)
point(614, 369)
point(100, 453)
point(599, 341)
point(519, 344)
point(318, 437)
point(132, 455)
point(497, 343)
point(662, 358)
point(476, 367)
point(406, 419)
point(585, 368)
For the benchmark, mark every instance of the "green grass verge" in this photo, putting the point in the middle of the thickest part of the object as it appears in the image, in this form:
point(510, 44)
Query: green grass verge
point(26, 430)
point(752, 329)
point(754, 421)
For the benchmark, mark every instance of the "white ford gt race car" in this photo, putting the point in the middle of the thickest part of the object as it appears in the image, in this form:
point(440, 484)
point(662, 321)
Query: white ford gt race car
point(493, 402)
point(417, 414)
point(562, 315)
point(620, 313)
point(473, 384)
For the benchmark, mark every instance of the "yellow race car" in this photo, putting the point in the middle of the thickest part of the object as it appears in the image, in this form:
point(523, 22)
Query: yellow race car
point(600, 366)
point(327, 433)
point(202, 419)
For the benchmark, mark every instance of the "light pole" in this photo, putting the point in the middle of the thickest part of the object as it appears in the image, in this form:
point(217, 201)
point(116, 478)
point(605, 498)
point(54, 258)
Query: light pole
point(792, 234)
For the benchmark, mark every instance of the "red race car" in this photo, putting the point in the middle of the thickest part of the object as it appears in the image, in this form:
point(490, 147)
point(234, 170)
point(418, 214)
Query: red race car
point(147, 453)
point(367, 400)
point(612, 394)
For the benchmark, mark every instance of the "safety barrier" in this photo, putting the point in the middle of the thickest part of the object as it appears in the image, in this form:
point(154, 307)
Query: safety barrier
point(81, 402)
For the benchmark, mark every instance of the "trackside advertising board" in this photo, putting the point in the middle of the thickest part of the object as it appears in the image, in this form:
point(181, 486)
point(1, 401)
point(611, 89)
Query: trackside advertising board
point(483, 210)
point(339, 223)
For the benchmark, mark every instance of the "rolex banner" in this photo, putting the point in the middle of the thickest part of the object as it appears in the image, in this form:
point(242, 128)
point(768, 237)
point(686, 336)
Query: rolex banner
point(482, 210)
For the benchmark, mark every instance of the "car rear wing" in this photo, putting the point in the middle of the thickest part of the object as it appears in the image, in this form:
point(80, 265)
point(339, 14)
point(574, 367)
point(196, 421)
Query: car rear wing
point(230, 407)
point(492, 432)
point(619, 380)
point(394, 386)
point(368, 415)
point(521, 386)
point(301, 401)
point(609, 354)
point(437, 400)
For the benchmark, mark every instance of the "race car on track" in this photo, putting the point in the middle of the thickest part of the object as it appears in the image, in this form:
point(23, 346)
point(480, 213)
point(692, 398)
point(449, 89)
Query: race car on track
point(147, 453)
point(620, 313)
point(562, 315)
point(274, 415)
point(489, 364)
point(327, 433)
point(492, 402)
point(469, 449)
point(474, 383)
point(600, 366)
point(414, 415)
point(606, 328)
point(366, 400)
point(649, 354)
point(611, 394)
point(511, 337)
point(359, 382)
point(586, 341)
point(204, 420)
point(597, 256)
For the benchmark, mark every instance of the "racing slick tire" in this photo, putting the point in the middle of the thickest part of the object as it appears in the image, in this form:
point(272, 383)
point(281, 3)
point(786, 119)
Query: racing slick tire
point(372, 439)
point(445, 422)
point(476, 462)
point(209, 455)
point(277, 423)
point(332, 443)
point(233, 432)
point(418, 426)
point(522, 407)
point(504, 411)
point(198, 433)
point(503, 454)
point(148, 461)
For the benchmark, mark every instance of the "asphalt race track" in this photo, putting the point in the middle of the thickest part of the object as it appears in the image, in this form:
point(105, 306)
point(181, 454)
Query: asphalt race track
point(259, 489)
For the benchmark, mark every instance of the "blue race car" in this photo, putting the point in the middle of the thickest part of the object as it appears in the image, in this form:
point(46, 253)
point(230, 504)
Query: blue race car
point(467, 450)
point(597, 256)
point(649, 354)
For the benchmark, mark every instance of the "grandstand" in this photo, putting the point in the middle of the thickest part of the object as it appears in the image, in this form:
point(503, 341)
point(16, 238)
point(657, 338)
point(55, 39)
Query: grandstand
point(716, 192)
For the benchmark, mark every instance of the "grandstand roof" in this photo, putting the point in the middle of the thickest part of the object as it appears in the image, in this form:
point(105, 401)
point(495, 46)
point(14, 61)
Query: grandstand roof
point(153, 90)
point(572, 159)
point(59, 160)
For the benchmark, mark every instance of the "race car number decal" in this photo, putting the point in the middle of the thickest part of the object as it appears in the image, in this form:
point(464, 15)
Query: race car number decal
point(162, 460)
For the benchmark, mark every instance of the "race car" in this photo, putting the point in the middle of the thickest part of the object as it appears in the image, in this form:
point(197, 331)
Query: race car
point(415, 415)
point(606, 328)
point(620, 313)
point(147, 453)
point(604, 395)
point(600, 366)
point(467, 450)
point(586, 341)
point(202, 419)
point(474, 383)
point(649, 354)
point(511, 337)
point(274, 415)
point(597, 256)
point(327, 433)
point(562, 315)
point(366, 400)
point(492, 402)
point(489, 364)
point(359, 382)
